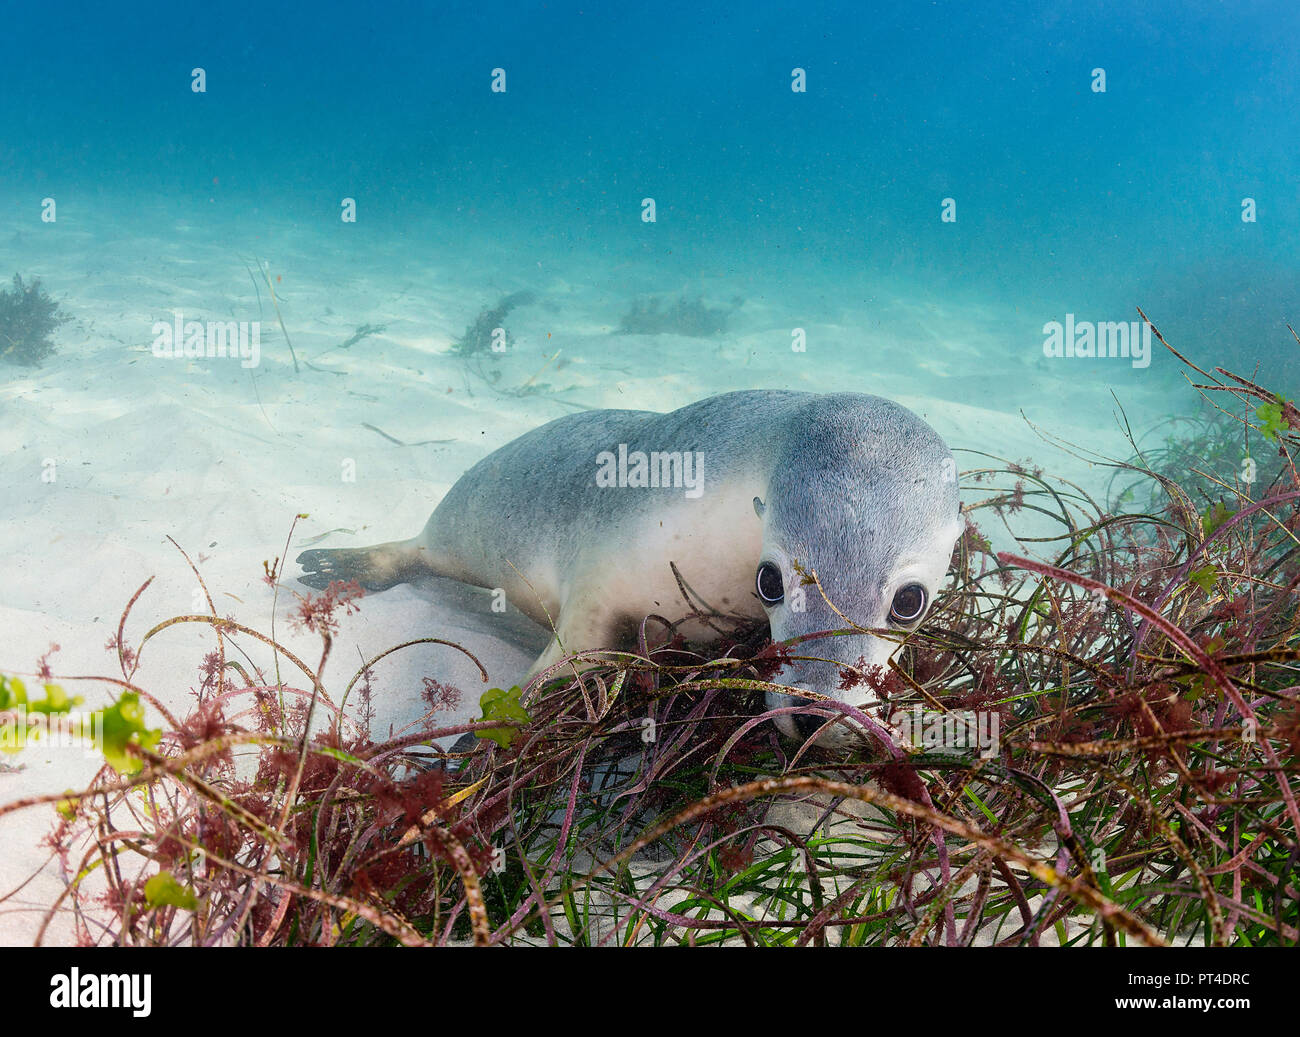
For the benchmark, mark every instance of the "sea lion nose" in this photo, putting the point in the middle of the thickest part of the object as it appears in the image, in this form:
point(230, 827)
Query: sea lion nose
point(808, 724)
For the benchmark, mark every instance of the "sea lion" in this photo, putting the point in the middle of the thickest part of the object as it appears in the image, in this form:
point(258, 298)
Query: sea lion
point(578, 521)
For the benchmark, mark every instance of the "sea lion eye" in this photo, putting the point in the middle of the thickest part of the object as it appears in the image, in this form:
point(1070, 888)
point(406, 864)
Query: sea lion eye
point(909, 603)
point(771, 588)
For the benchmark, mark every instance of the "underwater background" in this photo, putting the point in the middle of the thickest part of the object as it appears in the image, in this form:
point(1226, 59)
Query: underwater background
point(656, 202)
point(810, 206)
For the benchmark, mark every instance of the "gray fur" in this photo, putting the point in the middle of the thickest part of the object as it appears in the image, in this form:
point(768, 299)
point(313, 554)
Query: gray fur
point(849, 485)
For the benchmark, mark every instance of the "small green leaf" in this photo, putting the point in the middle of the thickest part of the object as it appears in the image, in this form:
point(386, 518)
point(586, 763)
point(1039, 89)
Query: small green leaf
point(1193, 688)
point(1273, 423)
point(1215, 516)
point(13, 736)
point(56, 701)
point(502, 705)
point(67, 808)
point(341, 755)
point(12, 692)
point(123, 726)
point(164, 890)
point(1204, 578)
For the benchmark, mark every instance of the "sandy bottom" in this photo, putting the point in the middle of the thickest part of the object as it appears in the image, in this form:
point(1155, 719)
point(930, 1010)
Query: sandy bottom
point(106, 451)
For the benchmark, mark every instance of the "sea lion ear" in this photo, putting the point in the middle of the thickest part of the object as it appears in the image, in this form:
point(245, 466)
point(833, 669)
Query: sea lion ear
point(759, 506)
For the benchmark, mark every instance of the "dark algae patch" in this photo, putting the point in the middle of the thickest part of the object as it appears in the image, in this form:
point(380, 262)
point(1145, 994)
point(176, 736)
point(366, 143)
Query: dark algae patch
point(478, 336)
point(682, 316)
point(28, 319)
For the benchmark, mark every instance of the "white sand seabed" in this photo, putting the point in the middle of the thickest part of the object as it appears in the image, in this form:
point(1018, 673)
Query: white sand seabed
point(221, 459)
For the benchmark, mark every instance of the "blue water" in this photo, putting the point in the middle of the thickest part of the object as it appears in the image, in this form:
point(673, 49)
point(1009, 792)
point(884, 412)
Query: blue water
point(1067, 200)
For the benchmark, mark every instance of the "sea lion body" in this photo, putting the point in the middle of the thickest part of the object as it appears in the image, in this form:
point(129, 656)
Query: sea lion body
point(579, 534)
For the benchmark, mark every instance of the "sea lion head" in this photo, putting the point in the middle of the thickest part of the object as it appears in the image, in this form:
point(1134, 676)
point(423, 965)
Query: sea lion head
point(861, 516)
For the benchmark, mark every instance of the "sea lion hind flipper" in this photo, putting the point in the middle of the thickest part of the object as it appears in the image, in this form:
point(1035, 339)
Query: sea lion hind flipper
point(376, 568)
